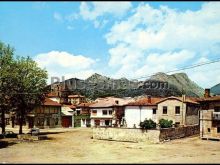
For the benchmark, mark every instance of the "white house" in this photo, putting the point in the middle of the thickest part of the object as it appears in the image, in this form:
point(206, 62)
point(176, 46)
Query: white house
point(105, 111)
point(138, 111)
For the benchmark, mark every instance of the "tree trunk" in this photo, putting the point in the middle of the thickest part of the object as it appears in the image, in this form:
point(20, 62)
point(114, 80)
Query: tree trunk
point(13, 121)
point(20, 124)
point(3, 120)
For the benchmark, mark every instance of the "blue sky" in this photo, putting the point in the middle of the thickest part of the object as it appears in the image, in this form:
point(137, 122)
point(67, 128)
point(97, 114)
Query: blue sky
point(117, 39)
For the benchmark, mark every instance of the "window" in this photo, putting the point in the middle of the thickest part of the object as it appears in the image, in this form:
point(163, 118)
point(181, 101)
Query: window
point(217, 109)
point(218, 129)
point(110, 112)
point(104, 112)
point(154, 111)
point(164, 109)
point(209, 130)
point(177, 110)
point(107, 122)
point(94, 112)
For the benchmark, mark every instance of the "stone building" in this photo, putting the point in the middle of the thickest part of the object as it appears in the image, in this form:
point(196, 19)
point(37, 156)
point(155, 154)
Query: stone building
point(181, 110)
point(210, 116)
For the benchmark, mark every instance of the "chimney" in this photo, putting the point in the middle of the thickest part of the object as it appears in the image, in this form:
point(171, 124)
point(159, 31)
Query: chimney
point(184, 97)
point(149, 99)
point(207, 93)
point(116, 101)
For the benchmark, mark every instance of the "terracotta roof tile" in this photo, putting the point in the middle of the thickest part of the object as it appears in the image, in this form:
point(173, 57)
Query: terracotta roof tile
point(212, 98)
point(110, 102)
point(50, 102)
point(146, 101)
point(187, 100)
point(85, 104)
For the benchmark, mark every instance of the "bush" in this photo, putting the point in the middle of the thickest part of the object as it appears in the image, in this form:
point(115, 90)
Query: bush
point(147, 124)
point(164, 123)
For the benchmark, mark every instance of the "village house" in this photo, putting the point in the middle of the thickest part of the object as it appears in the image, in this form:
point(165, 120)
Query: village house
point(47, 115)
point(67, 115)
point(138, 111)
point(82, 115)
point(76, 99)
point(181, 110)
point(210, 116)
point(108, 111)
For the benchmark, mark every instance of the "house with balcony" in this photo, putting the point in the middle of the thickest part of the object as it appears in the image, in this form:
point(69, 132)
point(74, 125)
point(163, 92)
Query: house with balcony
point(108, 111)
point(210, 116)
point(46, 115)
point(82, 115)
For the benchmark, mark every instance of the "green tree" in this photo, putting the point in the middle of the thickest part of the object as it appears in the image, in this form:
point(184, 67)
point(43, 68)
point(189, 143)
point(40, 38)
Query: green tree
point(6, 80)
point(30, 85)
point(148, 124)
point(164, 123)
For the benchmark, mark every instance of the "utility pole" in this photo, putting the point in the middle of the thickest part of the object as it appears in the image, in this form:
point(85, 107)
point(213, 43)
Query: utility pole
point(182, 104)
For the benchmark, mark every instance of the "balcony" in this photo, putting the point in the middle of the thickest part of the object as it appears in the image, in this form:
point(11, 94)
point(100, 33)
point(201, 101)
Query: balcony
point(216, 115)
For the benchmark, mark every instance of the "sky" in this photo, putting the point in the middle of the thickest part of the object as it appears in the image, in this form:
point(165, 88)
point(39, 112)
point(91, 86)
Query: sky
point(116, 39)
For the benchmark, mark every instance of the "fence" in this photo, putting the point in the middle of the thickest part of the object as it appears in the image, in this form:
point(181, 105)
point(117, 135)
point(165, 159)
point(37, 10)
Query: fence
point(138, 135)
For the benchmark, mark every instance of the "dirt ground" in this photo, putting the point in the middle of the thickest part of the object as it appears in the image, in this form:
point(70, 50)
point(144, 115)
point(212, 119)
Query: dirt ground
point(77, 146)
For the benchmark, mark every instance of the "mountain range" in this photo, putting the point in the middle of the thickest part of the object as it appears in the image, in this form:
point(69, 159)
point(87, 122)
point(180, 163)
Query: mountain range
point(159, 85)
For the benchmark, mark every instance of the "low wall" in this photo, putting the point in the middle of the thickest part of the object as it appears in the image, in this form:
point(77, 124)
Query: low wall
point(126, 134)
point(138, 135)
point(180, 132)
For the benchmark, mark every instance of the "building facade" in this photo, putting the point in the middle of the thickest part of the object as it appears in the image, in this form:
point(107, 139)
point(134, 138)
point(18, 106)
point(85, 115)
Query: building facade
point(48, 115)
point(181, 110)
point(76, 99)
point(210, 117)
point(138, 111)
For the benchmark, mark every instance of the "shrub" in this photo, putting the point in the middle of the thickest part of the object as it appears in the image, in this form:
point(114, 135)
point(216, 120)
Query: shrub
point(164, 123)
point(147, 124)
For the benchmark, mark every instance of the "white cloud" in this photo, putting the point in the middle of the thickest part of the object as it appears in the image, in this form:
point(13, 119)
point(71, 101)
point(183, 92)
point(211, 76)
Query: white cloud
point(58, 16)
point(65, 64)
point(70, 27)
point(206, 76)
point(166, 38)
point(94, 10)
point(72, 17)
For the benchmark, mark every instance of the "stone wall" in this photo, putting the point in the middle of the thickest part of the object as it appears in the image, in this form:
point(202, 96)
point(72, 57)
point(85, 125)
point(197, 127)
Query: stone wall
point(175, 133)
point(126, 134)
point(138, 135)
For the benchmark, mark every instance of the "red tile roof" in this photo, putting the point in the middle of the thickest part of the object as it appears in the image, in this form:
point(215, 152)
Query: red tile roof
point(146, 101)
point(212, 98)
point(49, 102)
point(85, 104)
point(110, 102)
point(187, 99)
